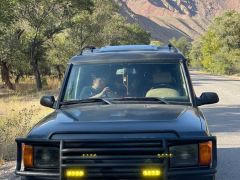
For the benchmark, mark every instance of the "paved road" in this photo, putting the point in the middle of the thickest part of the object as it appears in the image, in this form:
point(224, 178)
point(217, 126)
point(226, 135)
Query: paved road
point(223, 119)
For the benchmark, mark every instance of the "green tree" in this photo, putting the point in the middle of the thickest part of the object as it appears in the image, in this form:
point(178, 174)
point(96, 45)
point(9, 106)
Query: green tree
point(102, 25)
point(38, 36)
point(10, 48)
point(7, 15)
point(43, 19)
point(155, 43)
point(220, 45)
point(58, 52)
point(105, 26)
point(227, 28)
point(183, 44)
point(195, 55)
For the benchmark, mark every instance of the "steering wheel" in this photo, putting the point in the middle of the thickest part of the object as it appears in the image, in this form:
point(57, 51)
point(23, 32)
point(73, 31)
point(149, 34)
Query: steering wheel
point(162, 86)
point(110, 94)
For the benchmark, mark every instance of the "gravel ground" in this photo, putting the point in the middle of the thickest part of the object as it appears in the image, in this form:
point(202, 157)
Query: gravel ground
point(6, 171)
point(223, 119)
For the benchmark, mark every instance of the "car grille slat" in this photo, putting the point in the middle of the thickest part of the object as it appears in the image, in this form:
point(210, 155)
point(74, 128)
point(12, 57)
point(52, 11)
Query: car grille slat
point(104, 159)
point(112, 144)
point(128, 157)
point(91, 150)
point(111, 165)
point(112, 161)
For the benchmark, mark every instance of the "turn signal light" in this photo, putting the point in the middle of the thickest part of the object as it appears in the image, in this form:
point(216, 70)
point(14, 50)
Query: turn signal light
point(27, 156)
point(205, 153)
point(151, 172)
point(74, 173)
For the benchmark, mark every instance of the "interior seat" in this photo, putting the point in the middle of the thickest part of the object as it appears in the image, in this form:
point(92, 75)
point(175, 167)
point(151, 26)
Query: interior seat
point(164, 87)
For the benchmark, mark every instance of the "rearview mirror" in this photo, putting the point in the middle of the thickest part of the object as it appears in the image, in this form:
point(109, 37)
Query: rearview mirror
point(208, 98)
point(47, 101)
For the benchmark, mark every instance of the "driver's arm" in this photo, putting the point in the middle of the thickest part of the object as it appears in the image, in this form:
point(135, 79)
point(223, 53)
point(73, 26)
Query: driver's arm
point(102, 93)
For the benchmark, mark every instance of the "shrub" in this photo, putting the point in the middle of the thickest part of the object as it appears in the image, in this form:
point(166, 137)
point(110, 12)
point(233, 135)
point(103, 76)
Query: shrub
point(18, 115)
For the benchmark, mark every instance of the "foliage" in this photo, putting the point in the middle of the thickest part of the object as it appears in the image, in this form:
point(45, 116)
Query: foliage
point(39, 36)
point(155, 43)
point(7, 16)
point(183, 44)
point(18, 113)
point(101, 26)
point(219, 50)
point(12, 59)
point(195, 55)
point(9, 42)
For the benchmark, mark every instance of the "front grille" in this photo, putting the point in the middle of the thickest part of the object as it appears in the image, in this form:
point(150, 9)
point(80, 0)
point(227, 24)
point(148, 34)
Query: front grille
point(122, 158)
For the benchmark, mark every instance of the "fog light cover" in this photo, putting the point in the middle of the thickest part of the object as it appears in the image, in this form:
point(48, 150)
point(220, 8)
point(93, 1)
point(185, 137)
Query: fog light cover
point(151, 172)
point(74, 173)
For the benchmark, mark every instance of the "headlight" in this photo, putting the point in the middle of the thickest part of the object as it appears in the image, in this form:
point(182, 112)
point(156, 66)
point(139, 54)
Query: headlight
point(184, 155)
point(46, 157)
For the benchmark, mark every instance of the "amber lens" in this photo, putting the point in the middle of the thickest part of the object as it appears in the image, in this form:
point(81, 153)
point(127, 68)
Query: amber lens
point(205, 153)
point(27, 156)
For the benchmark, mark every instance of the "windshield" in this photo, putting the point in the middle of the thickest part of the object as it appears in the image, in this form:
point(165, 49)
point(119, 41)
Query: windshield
point(121, 81)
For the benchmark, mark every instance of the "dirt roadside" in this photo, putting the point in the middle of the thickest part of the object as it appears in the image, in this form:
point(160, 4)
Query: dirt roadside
point(6, 171)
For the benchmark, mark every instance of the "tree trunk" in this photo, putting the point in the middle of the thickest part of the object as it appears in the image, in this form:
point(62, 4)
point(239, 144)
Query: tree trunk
point(37, 76)
point(6, 75)
point(58, 68)
point(35, 68)
point(2, 74)
point(19, 75)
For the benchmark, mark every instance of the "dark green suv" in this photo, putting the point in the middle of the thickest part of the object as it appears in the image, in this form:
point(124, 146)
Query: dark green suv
point(123, 112)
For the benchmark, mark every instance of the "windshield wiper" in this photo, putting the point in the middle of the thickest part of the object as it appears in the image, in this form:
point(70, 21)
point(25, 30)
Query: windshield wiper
point(143, 99)
point(90, 100)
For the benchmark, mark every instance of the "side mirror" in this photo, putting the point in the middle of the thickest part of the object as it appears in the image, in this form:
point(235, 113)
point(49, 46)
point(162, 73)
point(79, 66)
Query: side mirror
point(47, 101)
point(208, 98)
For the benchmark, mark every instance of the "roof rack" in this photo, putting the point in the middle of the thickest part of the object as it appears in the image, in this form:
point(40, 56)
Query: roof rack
point(171, 47)
point(91, 48)
point(127, 48)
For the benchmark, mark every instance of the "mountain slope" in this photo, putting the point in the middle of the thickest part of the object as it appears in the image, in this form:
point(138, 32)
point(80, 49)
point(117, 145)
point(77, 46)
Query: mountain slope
point(166, 19)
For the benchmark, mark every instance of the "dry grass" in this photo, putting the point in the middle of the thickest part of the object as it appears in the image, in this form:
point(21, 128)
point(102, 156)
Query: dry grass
point(27, 85)
point(19, 111)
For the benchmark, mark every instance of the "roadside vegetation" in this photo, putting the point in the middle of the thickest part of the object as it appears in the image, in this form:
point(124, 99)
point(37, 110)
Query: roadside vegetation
point(37, 37)
point(19, 111)
point(218, 50)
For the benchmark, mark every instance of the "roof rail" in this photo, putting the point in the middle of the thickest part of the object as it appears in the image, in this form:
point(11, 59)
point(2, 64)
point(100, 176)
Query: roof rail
point(91, 48)
point(171, 47)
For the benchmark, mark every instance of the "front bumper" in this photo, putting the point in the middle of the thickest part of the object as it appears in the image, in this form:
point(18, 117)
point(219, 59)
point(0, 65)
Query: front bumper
point(180, 175)
point(107, 170)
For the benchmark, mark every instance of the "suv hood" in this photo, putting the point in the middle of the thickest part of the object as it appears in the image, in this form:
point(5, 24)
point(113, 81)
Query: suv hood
point(124, 118)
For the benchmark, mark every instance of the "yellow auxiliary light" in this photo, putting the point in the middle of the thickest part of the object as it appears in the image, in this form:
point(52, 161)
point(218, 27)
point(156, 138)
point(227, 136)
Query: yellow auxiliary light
point(151, 172)
point(74, 173)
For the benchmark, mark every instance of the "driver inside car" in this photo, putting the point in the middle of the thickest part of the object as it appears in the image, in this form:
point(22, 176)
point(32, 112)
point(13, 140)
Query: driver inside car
point(162, 85)
point(98, 89)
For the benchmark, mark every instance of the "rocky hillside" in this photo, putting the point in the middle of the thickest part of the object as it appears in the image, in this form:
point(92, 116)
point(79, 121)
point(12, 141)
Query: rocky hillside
point(175, 18)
